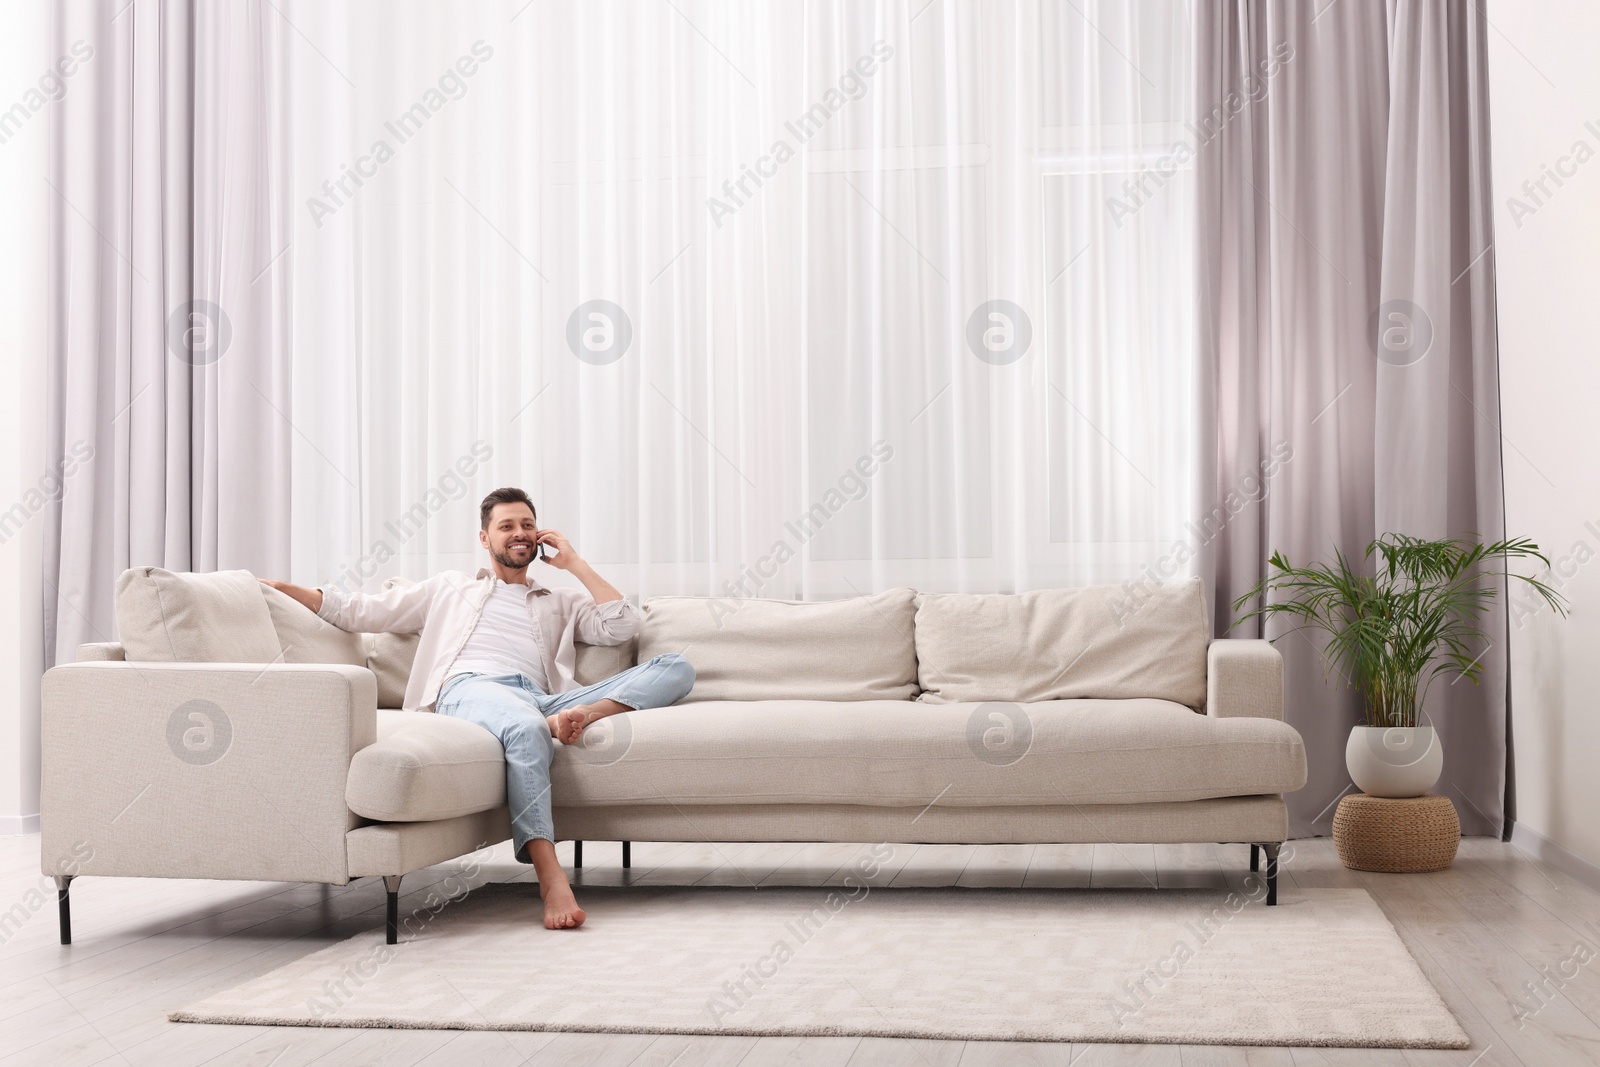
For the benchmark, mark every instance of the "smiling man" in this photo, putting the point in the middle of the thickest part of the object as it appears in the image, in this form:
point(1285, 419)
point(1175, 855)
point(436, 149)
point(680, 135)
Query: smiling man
point(499, 649)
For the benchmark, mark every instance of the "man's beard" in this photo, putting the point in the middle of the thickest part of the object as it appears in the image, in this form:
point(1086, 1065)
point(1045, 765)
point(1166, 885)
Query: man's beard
point(506, 559)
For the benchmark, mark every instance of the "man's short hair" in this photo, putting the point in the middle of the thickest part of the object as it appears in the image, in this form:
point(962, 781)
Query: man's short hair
point(507, 495)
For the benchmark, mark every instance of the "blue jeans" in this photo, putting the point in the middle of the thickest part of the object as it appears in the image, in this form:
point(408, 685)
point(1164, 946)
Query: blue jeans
point(512, 708)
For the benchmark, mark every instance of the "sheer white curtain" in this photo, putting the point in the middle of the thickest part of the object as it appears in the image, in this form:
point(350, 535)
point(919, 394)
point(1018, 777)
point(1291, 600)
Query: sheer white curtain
point(799, 218)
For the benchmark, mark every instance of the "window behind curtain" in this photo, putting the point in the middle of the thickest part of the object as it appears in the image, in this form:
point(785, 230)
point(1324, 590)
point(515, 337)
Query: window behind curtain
point(806, 407)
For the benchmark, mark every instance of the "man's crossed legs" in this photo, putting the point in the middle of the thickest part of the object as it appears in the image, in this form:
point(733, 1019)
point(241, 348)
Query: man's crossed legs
point(528, 722)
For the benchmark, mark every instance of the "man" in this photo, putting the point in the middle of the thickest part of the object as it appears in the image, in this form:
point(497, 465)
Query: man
point(498, 649)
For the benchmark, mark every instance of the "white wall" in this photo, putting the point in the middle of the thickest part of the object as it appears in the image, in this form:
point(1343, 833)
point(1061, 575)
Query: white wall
point(24, 215)
point(1545, 100)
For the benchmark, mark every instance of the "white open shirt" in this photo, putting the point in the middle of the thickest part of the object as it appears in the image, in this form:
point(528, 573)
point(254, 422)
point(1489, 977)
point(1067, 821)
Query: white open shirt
point(445, 609)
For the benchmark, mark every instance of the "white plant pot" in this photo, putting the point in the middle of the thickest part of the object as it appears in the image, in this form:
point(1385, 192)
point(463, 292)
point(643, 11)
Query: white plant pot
point(1394, 761)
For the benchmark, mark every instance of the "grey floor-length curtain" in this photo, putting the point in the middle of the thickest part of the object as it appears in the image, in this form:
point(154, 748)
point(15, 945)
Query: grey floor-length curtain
point(1348, 311)
point(168, 372)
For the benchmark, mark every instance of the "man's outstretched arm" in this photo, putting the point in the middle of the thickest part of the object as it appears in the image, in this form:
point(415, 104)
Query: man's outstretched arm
point(402, 609)
point(311, 598)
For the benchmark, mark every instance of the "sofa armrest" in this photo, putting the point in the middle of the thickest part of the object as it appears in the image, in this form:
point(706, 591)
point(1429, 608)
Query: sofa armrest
point(201, 770)
point(1244, 678)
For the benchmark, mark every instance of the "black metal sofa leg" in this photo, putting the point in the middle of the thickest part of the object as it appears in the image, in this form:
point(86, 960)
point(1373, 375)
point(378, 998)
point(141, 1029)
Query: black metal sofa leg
point(391, 930)
point(1255, 858)
point(627, 854)
point(1272, 871)
point(577, 855)
point(64, 906)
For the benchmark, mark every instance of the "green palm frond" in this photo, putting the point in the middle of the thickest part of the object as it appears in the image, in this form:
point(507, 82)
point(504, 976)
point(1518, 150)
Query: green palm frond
point(1415, 617)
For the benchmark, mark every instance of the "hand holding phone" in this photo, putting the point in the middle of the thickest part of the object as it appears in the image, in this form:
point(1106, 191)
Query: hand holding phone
point(554, 550)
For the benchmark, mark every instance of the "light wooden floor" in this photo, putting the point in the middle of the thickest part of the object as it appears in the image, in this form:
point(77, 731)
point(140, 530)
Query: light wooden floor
point(1479, 930)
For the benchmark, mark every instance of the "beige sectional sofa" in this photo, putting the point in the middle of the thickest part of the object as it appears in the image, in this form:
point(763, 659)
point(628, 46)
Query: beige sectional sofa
point(231, 734)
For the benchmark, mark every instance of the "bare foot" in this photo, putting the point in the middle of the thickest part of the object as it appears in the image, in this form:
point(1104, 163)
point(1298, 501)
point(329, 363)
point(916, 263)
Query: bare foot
point(567, 726)
point(561, 911)
point(573, 721)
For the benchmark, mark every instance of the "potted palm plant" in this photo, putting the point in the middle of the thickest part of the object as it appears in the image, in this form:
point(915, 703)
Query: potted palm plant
point(1393, 633)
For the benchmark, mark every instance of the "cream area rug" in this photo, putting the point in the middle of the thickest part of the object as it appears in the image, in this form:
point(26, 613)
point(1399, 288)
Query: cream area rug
point(1324, 967)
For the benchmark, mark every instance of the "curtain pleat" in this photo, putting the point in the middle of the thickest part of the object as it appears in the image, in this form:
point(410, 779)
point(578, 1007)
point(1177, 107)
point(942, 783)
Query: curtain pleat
point(1347, 297)
point(167, 362)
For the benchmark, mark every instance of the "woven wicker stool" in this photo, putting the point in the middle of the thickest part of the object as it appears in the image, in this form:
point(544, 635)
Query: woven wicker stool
point(1396, 836)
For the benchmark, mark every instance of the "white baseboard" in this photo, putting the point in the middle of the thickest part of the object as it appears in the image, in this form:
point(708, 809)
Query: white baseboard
point(1547, 851)
point(16, 825)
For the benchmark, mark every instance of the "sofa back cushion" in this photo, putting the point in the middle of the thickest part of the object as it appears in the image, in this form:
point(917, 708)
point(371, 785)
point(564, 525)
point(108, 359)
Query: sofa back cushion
point(306, 638)
point(596, 663)
point(1064, 644)
point(753, 649)
point(389, 657)
point(166, 617)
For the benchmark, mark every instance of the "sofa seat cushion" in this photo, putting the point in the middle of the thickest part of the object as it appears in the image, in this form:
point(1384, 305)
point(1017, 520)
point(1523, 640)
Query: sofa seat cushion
point(907, 754)
point(425, 767)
